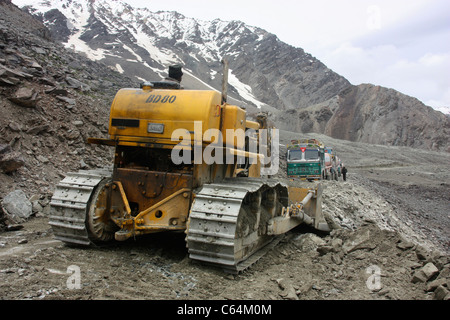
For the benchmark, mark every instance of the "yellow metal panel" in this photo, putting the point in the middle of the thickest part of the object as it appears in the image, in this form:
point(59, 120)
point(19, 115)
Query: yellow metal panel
point(254, 171)
point(171, 212)
point(175, 109)
point(252, 125)
point(297, 194)
point(233, 119)
point(246, 154)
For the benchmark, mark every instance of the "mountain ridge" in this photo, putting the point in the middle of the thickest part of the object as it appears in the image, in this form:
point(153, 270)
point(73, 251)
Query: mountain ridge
point(199, 45)
point(374, 114)
point(265, 73)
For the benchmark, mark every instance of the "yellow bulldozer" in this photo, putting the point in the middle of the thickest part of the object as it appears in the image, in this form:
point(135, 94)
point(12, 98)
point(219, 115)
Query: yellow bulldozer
point(163, 179)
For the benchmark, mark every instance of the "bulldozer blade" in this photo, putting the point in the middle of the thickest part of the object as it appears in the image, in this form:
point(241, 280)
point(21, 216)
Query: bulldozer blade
point(310, 203)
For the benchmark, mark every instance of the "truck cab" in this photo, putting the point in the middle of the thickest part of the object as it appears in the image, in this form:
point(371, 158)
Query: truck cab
point(305, 160)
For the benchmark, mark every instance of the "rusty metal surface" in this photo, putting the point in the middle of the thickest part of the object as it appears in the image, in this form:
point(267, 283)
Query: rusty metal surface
point(146, 188)
point(145, 201)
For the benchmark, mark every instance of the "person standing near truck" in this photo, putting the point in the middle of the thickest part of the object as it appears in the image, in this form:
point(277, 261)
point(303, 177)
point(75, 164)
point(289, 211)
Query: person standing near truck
point(344, 173)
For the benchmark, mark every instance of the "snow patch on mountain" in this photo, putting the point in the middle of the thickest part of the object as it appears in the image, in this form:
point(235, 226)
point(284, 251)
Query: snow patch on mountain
point(244, 90)
point(152, 38)
point(145, 43)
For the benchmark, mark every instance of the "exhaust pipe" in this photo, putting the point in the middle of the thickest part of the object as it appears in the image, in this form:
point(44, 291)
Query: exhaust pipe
point(225, 80)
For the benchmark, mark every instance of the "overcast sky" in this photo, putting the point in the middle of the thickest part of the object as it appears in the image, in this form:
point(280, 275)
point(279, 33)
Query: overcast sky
point(399, 44)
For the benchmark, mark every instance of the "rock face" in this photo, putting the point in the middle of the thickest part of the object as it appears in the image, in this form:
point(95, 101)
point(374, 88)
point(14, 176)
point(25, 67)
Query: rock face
point(374, 114)
point(378, 115)
point(51, 101)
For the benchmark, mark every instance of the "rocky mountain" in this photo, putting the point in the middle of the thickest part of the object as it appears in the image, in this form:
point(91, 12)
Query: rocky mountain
point(376, 115)
point(298, 90)
point(51, 101)
point(142, 43)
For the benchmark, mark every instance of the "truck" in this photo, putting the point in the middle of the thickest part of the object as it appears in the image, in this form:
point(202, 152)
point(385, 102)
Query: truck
point(306, 159)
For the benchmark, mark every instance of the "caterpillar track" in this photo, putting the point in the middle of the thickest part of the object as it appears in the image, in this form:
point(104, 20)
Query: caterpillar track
point(227, 227)
point(228, 222)
point(70, 204)
point(221, 229)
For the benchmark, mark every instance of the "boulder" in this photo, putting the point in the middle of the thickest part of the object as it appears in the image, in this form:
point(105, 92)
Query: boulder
point(432, 285)
point(38, 129)
point(425, 273)
point(359, 240)
point(441, 293)
point(7, 82)
point(35, 65)
point(4, 148)
point(421, 253)
point(39, 50)
point(10, 160)
point(405, 245)
point(308, 242)
point(17, 206)
point(25, 97)
point(7, 72)
point(12, 77)
point(58, 91)
point(323, 250)
point(289, 292)
point(66, 99)
point(47, 81)
point(76, 84)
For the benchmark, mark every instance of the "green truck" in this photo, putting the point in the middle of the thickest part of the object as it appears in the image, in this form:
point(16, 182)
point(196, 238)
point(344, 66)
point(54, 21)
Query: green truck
point(306, 159)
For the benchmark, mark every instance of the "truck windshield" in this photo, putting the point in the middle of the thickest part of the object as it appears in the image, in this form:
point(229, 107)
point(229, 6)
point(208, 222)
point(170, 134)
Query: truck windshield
point(311, 154)
point(295, 155)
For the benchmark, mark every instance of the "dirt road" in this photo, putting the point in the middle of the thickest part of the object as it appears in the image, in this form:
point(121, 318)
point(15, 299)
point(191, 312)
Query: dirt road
point(392, 221)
